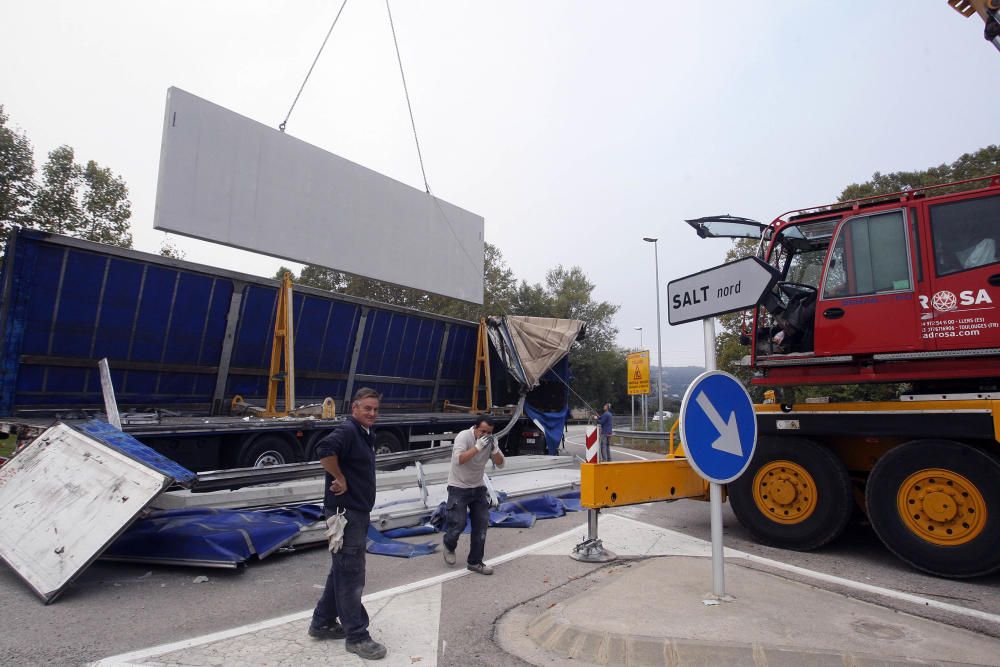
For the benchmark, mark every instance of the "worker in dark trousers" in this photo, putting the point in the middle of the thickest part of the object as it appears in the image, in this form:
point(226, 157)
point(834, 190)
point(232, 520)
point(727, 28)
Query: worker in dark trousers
point(467, 494)
point(606, 420)
point(348, 456)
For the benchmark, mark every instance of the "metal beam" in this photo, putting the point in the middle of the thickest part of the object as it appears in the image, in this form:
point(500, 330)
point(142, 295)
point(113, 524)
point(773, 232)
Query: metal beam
point(634, 482)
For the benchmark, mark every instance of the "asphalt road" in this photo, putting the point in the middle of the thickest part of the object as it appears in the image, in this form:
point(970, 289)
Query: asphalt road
point(114, 608)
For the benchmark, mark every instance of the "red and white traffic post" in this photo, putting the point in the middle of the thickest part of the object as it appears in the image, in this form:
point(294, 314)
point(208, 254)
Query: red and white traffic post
point(592, 550)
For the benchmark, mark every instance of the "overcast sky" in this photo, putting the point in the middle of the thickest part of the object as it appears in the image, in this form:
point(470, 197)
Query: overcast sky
point(574, 128)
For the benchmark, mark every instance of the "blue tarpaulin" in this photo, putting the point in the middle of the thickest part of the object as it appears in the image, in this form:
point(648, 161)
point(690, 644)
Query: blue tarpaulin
point(381, 544)
point(521, 513)
point(211, 536)
point(132, 448)
point(232, 537)
point(552, 424)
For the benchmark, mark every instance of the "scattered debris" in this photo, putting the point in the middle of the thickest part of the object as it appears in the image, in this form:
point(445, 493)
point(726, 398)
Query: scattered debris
point(202, 579)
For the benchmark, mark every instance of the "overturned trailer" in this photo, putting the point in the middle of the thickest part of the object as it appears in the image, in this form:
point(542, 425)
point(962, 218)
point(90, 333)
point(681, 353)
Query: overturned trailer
point(183, 340)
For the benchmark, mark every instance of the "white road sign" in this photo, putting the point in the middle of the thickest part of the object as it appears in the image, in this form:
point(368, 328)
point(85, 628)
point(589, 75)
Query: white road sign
point(734, 286)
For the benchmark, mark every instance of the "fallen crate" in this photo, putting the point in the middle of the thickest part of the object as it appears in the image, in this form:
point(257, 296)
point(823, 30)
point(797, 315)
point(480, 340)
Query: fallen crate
point(66, 496)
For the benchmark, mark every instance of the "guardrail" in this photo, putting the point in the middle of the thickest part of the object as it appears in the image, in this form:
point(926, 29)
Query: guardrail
point(236, 478)
point(674, 447)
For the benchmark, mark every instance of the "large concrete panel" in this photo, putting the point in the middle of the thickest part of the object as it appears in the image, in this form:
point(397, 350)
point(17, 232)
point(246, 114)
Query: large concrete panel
point(232, 180)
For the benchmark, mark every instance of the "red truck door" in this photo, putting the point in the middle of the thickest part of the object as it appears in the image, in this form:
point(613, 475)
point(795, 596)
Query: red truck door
point(868, 301)
point(960, 309)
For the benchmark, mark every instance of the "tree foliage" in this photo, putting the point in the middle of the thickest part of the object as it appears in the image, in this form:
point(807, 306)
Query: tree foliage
point(598, 366)
point(984, 162)
point(498, 289)
point(17, 176)
point(86, 201)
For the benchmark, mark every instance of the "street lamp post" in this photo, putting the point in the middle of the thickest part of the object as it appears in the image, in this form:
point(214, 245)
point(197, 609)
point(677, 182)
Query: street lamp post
point(642, 400)
point(659, 341)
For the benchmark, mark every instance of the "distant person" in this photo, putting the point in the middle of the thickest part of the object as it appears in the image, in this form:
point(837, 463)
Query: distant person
point(604, 420)
point(467, 494)
point(348, 456)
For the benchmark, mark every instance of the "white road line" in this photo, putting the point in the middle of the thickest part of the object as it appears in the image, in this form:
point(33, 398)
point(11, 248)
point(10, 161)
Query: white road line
point(136, 657)
point(849, 583)
point(635, 456)
point(620, 451)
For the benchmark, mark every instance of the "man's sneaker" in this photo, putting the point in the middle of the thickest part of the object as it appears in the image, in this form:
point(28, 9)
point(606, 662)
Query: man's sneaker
point(481, 568)
point(335, 631)
point(369, 649)
point(449, 556)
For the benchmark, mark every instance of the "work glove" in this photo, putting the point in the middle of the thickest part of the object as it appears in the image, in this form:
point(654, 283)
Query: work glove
point(335, 530)
point(487, 442)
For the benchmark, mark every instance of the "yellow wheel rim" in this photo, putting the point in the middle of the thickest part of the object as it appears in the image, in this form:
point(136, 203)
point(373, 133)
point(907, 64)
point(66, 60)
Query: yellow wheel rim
point(941, 507)
point(785, 492)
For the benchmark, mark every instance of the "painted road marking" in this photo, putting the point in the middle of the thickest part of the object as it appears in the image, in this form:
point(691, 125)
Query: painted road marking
point(624, 535)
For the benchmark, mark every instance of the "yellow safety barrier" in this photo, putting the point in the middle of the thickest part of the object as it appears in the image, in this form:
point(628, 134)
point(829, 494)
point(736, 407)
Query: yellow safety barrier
point(616, 484)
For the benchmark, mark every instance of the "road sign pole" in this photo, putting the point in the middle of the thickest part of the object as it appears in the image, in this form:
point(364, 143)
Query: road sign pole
point(715, 489)
point(717, 421)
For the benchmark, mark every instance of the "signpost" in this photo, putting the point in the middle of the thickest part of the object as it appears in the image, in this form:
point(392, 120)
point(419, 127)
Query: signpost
point(719, 431)
point(724, 289)
point(717, 422)
point(638, 373)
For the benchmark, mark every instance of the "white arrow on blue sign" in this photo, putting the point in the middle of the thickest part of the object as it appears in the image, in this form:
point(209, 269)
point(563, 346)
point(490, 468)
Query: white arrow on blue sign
point(718, 426)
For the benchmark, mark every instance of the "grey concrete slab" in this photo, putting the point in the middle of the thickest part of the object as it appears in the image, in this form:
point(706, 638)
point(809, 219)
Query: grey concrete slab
point(658, 611)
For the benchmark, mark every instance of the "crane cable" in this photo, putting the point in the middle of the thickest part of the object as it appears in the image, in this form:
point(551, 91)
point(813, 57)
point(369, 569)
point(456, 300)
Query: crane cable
point(406, 92)
point(302, 87)
point(416, 140)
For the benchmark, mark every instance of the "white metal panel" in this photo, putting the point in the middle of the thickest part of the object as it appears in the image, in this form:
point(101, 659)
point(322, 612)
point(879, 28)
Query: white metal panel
point(232, 180)
point(63, 499)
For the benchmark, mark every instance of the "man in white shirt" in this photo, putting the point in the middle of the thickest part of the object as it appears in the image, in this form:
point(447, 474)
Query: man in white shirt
point(467, 495)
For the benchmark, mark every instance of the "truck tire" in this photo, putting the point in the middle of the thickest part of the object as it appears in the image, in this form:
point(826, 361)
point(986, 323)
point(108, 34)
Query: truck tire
point(386, 442)
point(936, 505)
point(795, 494)
point(312, 442)
point(266, 450)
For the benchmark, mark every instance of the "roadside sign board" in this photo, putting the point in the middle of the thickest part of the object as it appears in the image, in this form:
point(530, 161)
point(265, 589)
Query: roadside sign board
point(638, 373)
point(724, 289)
point(718, 426)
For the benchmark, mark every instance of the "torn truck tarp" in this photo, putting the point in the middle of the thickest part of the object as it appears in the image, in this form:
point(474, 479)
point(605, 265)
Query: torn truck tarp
point(384, 545)
point(530, 346)
point(230, 538)
point(211, 537)
point(68, 494)
point(129, 446)
point(552, 425)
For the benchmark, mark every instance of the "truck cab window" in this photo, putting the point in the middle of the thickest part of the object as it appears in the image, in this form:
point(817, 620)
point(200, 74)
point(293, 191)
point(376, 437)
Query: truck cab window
point(965, 234)
point(870, 256)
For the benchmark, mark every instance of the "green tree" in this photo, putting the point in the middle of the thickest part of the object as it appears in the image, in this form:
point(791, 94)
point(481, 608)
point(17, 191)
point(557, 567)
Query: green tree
point(169, 249)
point(56, 207)
point(984, 162)
point(87, 202)
point(499, 287)
point(106, 209)
point(598, 366)
point(17, 177)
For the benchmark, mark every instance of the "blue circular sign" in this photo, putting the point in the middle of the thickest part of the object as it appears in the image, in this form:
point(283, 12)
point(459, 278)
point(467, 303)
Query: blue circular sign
point(718, 426)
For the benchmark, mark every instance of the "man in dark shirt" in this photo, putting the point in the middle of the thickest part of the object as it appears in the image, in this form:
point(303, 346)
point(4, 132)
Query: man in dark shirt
point(605, 422)
point(348, 456)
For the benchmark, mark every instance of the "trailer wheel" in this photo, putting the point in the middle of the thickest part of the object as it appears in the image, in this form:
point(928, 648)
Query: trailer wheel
point(313, 442)
point(795, 494)
point(266, 450)
point(386, 442)
point(930, 502)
